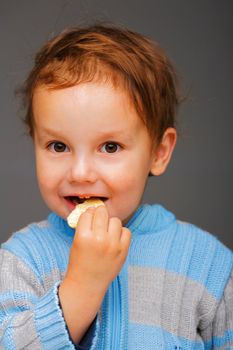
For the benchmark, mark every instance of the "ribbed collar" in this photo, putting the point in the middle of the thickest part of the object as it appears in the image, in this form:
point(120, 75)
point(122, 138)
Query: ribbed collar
point(147, 218)
point(60, 225)
point(150, 218)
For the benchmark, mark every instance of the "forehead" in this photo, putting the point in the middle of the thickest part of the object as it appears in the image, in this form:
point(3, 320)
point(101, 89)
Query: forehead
point(57, 76)
point(87, 114)
point(102, 105)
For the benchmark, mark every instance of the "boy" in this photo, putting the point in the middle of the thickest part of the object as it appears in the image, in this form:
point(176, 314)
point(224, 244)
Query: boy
point(101, 105)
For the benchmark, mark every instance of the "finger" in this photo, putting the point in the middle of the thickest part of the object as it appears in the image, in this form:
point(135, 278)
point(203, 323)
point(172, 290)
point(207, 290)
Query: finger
point(100, 220)
point(85, 220)
point(115, 229)
point(125, 237)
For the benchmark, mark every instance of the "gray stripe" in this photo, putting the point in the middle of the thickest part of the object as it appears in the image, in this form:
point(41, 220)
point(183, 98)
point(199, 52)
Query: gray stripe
point(225, 309)
point(24, 332)
point(20, 303)
point(15, 275)
point(224, 314)
point(22, 329)
point(168, 300)
point(53, 277)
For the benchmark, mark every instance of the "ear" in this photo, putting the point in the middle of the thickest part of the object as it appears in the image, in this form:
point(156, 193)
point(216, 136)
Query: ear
point(163, 152)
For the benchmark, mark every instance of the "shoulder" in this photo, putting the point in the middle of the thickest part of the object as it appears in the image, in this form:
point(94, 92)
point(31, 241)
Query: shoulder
point(180, 248)
point(28, 238)
point(201, 243)
point(183, 236)
point(39, 245)
point(202, 257)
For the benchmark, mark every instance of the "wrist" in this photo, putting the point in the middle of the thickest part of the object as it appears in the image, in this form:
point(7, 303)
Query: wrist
point(84, 285)
point(79, 293)
point(80, 305)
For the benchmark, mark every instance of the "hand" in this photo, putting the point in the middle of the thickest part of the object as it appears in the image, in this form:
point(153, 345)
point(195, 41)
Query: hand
point(99, 249)
point(97, 254)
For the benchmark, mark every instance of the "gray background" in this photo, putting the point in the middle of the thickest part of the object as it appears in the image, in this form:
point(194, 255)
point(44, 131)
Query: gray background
point(197, 36)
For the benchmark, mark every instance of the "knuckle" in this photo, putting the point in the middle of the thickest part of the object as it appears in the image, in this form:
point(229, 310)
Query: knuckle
point(100, 243)
point(114, 249)
point(81, 238)
point(115, 221)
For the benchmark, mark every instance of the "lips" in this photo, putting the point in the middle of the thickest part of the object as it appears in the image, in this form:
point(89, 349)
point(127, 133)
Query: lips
point(81, 198)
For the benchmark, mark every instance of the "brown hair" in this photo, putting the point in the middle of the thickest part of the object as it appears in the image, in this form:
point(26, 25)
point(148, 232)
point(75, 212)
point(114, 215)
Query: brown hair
point(105, 52)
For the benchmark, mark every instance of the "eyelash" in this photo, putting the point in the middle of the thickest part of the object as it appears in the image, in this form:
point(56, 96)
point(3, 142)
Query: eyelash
point(51, 147)
point(112, 143)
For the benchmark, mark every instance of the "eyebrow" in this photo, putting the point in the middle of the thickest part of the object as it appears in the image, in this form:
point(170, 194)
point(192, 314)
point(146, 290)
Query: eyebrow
point(108, 134)
point(47, 131)
point(115, 134)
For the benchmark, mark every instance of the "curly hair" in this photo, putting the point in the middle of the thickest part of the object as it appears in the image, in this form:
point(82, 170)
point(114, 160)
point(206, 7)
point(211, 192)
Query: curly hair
point(106, 53)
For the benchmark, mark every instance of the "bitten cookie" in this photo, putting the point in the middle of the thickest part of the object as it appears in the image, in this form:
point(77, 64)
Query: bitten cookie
point(74, 216)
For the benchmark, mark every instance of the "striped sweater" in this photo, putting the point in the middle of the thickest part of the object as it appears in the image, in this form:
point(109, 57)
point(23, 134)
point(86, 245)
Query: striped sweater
point(174, 292)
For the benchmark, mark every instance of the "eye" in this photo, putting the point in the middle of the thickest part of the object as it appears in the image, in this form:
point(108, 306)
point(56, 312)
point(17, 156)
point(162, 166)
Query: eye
point(110, 147)
point(58, 147)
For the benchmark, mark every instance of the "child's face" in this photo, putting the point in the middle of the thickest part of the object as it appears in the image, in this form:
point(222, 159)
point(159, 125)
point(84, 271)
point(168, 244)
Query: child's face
point(89, 141)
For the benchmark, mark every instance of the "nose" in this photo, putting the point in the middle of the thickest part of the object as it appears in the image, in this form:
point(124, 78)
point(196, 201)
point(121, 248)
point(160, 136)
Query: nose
point(82, 170)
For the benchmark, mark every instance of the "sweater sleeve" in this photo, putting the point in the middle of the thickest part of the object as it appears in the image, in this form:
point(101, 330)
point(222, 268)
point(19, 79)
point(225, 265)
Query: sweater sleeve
point(219, 333)
point(30, 317)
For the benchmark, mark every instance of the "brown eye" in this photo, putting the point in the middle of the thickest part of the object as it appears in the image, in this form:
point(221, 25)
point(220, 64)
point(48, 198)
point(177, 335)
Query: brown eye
point(110, 147)
point(58, 147)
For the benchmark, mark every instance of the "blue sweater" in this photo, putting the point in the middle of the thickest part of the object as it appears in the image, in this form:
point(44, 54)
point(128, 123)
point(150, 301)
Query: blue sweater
point(175, 290)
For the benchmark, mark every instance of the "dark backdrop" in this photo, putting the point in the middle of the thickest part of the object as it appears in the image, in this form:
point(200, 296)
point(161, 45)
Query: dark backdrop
point(197, 36)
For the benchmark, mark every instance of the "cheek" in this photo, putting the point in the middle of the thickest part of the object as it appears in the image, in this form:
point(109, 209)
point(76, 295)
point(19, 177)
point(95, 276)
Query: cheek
point(135, 173)
point(129, 184)
point(127, 197)
point(46, 183)
point(128, 175)
point(47, 175)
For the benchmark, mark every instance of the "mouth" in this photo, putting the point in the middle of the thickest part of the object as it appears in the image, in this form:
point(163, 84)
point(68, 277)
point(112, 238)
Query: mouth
point(81, 199)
